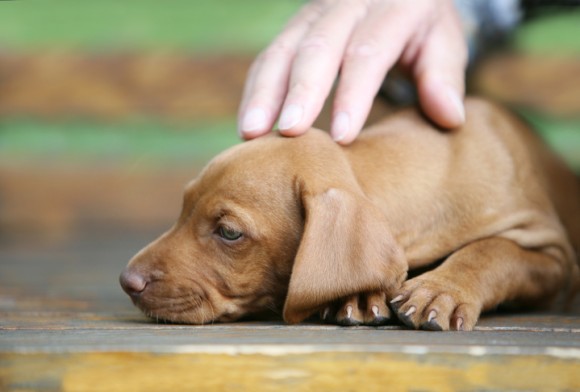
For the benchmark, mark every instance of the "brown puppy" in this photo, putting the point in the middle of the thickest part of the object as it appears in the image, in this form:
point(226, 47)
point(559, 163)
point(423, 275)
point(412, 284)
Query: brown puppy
point(308, 226)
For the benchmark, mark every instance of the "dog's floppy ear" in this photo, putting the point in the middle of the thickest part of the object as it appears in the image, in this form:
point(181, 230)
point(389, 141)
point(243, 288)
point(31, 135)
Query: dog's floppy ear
point(346, 248)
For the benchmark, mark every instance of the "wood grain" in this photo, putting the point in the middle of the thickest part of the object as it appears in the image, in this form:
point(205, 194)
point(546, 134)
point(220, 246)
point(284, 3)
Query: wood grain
point(65, 325)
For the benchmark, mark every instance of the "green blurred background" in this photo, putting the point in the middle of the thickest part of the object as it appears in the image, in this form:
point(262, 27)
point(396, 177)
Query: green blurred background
point(214, 31)
point(108, 108)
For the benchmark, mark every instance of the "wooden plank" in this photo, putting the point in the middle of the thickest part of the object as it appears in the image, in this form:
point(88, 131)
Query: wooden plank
point(132, 319)
point(121, 352)
point(322, 371)
point(65, 325)
point(139, 336)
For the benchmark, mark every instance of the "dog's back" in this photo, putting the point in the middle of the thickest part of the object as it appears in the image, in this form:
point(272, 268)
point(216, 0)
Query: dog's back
point(323, 225)
point(562, 186)
point(505, 177)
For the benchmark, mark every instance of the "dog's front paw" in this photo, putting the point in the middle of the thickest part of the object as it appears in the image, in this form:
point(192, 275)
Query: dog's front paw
point(435, 304)
point(362, 309)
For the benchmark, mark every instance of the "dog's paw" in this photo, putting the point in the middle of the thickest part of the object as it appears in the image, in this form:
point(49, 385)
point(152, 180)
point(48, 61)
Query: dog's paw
point(433, 304)
point(362, 309)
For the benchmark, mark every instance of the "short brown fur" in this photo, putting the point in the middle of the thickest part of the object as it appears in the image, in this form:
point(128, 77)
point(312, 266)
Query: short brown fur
point(335, 229)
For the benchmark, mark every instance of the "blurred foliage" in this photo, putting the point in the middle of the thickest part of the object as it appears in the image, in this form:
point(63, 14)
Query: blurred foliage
point(555, 34)
point(562, 134)
point(198, 27)
point(205, 25)
point(149, 141)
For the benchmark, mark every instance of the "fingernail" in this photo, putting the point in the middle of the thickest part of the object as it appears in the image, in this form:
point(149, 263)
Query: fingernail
point(290, 117)
point(459, 324)
point(348, 311)
point(325, 313)
point(375, 310)
point(397, 299)
point(457, 103)
point(254, 120)
point(340, 126)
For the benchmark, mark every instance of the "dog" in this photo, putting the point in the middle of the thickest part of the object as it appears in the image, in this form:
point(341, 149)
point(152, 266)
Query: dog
point(304, 227)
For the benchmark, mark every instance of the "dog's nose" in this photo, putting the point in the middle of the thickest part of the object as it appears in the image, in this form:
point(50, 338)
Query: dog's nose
point(132, 282)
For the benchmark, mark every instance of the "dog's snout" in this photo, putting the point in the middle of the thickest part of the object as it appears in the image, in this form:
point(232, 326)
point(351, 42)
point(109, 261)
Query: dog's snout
point(132, 282)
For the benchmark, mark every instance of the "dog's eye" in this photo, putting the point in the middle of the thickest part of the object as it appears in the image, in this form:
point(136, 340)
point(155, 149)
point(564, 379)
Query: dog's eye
point(229, 234)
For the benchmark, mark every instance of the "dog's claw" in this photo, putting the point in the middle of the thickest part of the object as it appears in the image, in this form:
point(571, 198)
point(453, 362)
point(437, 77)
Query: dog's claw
point(325, 313)
point(431, 324)
point(363, 309)
point(429, 305)
point(349, 314)
point(432, 315)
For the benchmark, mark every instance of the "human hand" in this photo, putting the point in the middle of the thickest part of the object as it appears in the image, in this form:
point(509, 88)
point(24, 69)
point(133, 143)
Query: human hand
point(363, 39)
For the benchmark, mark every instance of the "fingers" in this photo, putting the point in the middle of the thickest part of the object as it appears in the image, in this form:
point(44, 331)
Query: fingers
point(267, 82)
point(316, 65)
point(374, 47)
point(293, 76)
point(441, 99)
point(429, 42)
point(440, 74)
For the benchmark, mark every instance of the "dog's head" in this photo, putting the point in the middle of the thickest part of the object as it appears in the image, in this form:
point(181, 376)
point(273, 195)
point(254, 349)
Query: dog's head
point(269, 224)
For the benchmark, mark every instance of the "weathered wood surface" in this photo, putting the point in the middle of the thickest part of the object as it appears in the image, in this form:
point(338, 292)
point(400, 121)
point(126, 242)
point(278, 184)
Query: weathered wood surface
point(65, 325)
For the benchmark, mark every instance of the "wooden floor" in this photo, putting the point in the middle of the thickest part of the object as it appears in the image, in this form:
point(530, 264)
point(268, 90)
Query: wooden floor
point(65, 325)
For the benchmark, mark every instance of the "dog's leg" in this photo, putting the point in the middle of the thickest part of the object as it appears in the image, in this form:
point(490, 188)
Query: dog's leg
point(476, 278)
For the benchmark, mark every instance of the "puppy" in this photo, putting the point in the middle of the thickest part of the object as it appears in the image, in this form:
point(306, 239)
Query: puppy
point(305, 226)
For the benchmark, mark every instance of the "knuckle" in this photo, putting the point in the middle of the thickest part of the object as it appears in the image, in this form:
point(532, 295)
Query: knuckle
point(278, 49)
point(259, 93)
point(360, 7)
point(265, 95)
point(304, 88)
point(313, 10)
point(362, 48)
point(316, 42)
